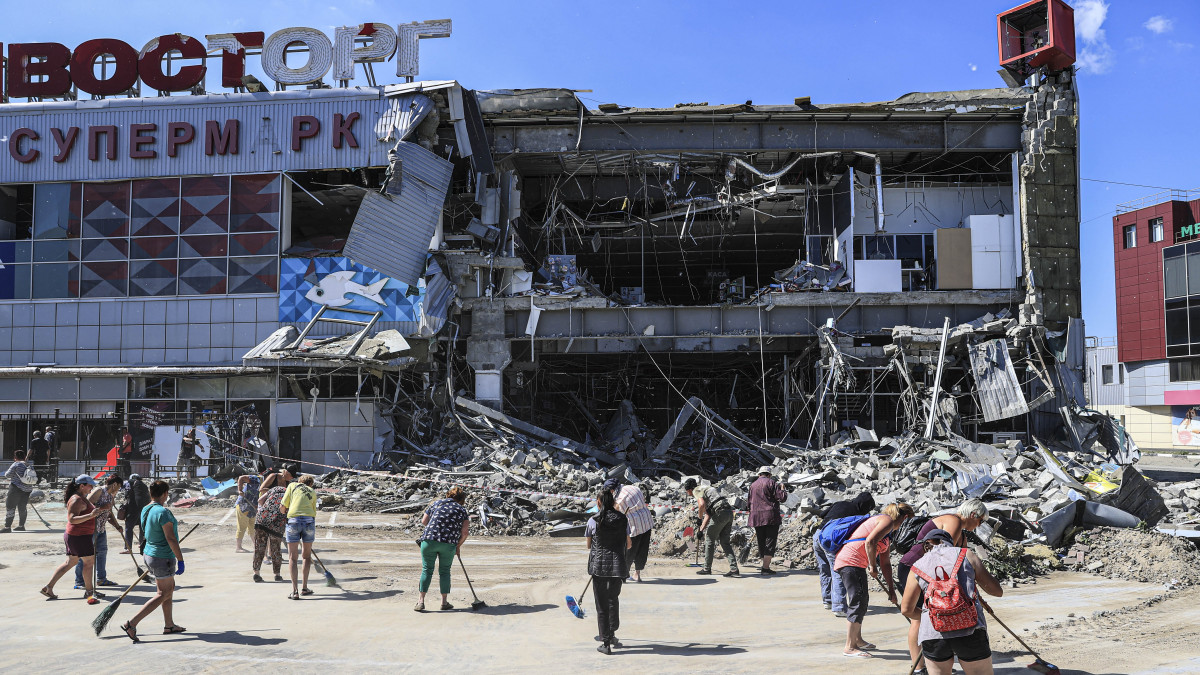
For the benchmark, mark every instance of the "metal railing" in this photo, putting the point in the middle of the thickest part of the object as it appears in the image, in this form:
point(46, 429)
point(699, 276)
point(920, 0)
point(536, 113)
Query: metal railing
point(1158, 198)
point(1093, 341)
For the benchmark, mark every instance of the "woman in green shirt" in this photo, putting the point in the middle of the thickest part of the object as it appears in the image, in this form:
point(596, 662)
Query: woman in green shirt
point(300, 505)
point(163, 556)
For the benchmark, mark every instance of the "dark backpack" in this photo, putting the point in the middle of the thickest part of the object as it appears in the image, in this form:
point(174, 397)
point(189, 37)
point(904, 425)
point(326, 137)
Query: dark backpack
point(906, 536)
point(837, 532)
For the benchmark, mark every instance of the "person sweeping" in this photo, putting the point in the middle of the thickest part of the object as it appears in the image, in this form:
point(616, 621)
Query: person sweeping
point(269, 524)
point(300, 504)
point(863, 554)
point(951, 617)
point(247, 506)
point(81, 524)
point(103, 499)
point(833, 591)
point(446, 528)
point(164, 559)
point(608, 539)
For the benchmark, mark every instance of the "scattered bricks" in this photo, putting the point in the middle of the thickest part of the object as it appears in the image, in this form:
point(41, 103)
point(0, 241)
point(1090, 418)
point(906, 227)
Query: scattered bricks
point(1095, 565)
point(1024, 463)
point(1045, 479)
point(870, 472)
point(1027, 493)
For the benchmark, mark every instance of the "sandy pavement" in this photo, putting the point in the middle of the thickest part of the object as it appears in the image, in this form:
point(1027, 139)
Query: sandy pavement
point(675, 622)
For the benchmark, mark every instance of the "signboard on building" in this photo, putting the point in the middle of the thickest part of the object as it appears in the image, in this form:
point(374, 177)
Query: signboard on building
point(196, 135)
point(178, 62)
point(1185, 425)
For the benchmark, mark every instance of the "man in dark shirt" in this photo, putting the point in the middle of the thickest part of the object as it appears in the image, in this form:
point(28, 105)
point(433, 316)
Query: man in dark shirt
point(833, 592)
point(38, 450)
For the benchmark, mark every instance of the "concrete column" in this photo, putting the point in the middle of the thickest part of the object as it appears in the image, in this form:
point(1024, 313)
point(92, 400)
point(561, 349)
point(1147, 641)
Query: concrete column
point(488, 353)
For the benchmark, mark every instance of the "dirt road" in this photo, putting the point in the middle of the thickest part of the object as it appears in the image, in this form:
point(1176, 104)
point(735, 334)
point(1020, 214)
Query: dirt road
point(675, 622)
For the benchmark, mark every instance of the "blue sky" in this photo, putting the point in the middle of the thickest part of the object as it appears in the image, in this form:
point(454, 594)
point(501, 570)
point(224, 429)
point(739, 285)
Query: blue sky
point(1138, 79)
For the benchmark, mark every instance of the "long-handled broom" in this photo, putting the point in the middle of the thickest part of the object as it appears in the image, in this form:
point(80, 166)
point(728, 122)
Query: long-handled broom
point(107, 613)
point(1039, 664)
point(478, 604)
point(39, 515)
point(329, 580)
point(574, 605)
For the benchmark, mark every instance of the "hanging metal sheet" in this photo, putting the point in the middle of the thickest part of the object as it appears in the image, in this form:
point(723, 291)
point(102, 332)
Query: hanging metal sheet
point(403, 114)
point(392, 231)
point(435, 306)
point(1000, 395)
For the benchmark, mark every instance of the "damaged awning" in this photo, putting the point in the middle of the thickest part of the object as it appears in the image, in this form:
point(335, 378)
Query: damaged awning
point(285, 347)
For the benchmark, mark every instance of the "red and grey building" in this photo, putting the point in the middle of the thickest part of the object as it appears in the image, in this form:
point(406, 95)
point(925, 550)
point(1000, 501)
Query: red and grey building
point(1157, 365)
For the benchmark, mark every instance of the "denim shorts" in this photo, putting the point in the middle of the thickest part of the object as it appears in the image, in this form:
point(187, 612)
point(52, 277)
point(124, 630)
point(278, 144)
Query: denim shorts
point(301, 529)
point(161, 568)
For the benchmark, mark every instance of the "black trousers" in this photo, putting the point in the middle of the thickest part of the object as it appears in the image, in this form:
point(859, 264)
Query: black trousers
point(768, 537)
point(640, 551)
point(14, 504)
point(608, 606)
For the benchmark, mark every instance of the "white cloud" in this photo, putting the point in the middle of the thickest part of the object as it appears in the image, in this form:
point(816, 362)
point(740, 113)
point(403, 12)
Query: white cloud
point(1096, 56)
point(1159, 24)
point(973, 67)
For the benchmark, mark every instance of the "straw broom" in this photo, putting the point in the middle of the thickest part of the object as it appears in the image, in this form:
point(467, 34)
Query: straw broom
point(106, 615)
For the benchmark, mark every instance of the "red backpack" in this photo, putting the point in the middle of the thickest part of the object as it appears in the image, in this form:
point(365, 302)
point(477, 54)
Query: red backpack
point(949, 607)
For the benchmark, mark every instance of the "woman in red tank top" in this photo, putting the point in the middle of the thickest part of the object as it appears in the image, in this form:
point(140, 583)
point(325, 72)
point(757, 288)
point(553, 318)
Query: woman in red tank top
point(81, 526)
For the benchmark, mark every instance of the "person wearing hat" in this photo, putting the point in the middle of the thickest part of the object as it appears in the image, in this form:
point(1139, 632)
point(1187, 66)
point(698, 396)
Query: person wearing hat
point(969, 516)
point(970, 645)
point(716, 522)
point(765, 497)
point(81, 524)
point(103, 499)
point(630, 501)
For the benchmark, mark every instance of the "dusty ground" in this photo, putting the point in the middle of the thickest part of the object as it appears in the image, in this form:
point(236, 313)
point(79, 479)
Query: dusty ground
point(754, 624)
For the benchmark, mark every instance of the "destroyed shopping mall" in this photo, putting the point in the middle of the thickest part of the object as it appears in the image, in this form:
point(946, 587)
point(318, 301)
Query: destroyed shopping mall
point(530, 293)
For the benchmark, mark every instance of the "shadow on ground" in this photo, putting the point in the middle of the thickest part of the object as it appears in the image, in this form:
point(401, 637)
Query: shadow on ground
point(676, 648)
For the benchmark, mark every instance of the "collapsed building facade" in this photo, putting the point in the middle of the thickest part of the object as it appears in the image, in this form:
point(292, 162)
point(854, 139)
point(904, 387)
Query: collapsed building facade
point(590, 272)
point(360, 275)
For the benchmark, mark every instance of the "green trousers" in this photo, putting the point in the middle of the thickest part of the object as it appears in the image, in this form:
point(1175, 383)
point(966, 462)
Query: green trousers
point(443, 554)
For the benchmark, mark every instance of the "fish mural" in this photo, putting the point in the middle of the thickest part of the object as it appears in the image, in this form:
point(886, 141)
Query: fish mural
point(332, 290)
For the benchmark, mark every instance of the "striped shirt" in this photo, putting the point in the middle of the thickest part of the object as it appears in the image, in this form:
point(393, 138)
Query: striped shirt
point(630, 502)
point(15, 473)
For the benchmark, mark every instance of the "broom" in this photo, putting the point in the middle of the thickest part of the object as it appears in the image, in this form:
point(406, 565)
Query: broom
point(1039, 664)
point(329, 580)
point(106, 615)
point(39, 515)
point(573, 604)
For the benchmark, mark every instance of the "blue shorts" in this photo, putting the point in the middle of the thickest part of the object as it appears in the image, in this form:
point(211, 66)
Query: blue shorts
point(301, 529)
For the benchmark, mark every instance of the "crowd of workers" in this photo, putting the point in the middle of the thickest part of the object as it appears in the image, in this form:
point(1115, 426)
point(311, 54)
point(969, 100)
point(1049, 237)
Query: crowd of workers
point(852, 545)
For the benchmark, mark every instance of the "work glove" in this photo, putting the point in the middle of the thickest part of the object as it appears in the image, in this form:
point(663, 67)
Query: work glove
point(179, 569)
